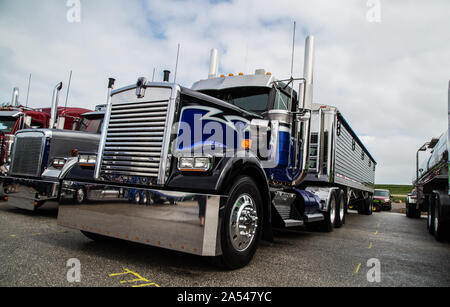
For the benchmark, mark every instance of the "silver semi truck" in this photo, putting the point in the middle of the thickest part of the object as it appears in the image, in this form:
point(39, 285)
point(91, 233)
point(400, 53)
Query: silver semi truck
point(213, 169)
point(41, 157)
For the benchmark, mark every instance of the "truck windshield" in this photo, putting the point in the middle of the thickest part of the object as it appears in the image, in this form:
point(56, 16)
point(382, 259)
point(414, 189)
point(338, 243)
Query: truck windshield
point(7, 124)
point(255, 99)
point(91, 125)
point(381, 193)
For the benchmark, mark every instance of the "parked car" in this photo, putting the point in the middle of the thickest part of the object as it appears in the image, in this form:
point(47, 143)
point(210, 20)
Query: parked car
point(382, 200)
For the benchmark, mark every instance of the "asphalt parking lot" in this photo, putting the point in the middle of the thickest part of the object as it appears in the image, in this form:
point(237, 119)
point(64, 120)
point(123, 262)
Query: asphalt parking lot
point(34, 252)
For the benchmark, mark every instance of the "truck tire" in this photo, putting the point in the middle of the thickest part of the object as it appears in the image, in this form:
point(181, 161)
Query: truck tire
point(240, 230)
point(430, 218)
point(439, 231)
point(361, 205)
point(340, 209)
point(408, 210)
point(327, 225)
point(366, 206)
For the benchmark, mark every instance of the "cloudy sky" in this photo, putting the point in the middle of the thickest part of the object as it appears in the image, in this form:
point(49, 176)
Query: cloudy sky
point(388, 78)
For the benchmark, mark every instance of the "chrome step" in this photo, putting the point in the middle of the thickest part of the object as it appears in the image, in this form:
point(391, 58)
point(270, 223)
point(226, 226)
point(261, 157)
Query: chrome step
point(284, 211)
point(316, 217)
point(293, 223)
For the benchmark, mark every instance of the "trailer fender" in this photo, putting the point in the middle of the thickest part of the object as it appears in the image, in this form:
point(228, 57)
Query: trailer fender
point(324, 194)
point(249, 166)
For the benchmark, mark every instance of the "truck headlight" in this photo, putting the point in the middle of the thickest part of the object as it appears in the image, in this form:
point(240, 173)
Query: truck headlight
point(190, 164)
point(58, 163)
point(86, 160)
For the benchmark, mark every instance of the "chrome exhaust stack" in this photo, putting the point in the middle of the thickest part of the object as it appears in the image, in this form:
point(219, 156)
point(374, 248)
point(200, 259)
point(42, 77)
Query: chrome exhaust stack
point(101, 146)
point(54, 107)
point(305, 106)
point(308, 73)
point(214, 64)
point(15, 97)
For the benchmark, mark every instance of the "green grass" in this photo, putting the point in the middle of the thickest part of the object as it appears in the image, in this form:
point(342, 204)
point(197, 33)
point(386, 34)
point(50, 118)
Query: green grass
point(399, 191)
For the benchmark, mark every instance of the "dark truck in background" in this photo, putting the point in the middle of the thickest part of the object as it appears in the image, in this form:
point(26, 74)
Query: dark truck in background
point(41, 157)
point(432, 185)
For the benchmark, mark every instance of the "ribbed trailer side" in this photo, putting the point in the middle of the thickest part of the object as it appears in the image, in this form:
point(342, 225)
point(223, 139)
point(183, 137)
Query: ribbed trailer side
point(448, 140)
point(354, 166)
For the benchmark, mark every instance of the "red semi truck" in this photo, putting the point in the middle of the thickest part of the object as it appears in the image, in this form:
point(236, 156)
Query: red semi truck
point(15, 117)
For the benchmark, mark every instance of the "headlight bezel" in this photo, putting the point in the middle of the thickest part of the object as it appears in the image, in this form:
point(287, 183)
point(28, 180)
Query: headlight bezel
point(87, 160)
point(195, 164)
point(58, 162)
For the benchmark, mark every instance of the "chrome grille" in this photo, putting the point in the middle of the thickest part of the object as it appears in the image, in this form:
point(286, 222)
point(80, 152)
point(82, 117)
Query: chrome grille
point(27, 155)
point(134, 139)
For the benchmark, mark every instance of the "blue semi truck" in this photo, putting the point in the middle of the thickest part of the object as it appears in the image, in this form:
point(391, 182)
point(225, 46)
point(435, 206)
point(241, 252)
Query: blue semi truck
point(213, 169)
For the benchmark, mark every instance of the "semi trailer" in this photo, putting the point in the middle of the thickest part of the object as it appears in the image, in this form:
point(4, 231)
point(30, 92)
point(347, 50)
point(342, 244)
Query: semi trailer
point(232, 158)
point(41, 157)
point(432, 185)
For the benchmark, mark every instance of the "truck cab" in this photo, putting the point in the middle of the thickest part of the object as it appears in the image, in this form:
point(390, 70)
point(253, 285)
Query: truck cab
point(41, 157)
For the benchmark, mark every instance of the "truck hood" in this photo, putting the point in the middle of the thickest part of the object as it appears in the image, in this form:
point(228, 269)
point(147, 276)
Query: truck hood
point(62, 142)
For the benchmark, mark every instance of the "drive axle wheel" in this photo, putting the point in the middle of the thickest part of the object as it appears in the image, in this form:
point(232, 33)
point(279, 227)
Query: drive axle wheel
point(430, 217)
point(340, 216)
point(439, 232)
point(330, 216)
point(241, 225)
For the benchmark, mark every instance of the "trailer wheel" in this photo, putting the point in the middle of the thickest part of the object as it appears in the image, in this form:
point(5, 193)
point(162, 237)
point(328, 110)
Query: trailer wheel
point(330, 216)
point(408, 210)
point(430, 218)
point(438, 226)
point(340, 212)
point(241, 226)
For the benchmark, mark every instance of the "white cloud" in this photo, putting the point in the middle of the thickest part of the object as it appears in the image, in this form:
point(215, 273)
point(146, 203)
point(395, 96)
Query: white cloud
point(389, 79)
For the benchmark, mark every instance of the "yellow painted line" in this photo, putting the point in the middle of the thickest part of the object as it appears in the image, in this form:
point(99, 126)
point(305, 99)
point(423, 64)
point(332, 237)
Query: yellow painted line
point(119, 274)
point(138, 278)
point(357, 269)
point(147, 285)
point(12, 236)
point(133, 280)
point(370, 245)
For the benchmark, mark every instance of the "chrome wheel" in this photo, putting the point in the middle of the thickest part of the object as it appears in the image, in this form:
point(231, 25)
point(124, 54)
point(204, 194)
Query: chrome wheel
point(436, 219)
point(137, 198)
point(333, 210)
point(80, 195)
point(243, 222)
point(342, 210)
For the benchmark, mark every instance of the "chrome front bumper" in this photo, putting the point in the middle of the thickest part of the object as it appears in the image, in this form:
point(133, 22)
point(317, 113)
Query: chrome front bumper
point(159, 218)
point(28, 193)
